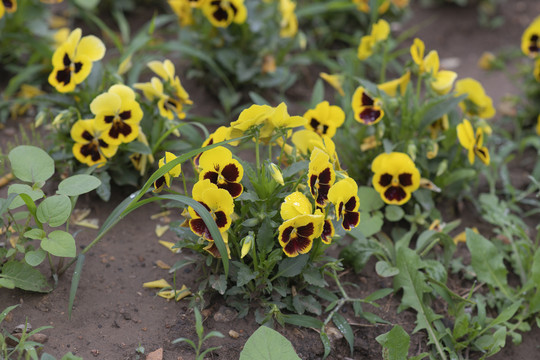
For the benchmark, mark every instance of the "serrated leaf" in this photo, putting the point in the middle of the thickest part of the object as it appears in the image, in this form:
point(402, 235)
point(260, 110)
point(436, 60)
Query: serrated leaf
point(345, 328)
point(35, 257)
point(292, 266)
point(31, 164)
point(25, 277)
point(268, 344)
point(396, 342)
point(60, 243)
point(78, 184)
point(486, 260)
point(54, 210)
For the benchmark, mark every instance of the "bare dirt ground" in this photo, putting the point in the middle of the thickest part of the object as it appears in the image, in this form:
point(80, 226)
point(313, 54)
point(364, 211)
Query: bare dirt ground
point(114, 314)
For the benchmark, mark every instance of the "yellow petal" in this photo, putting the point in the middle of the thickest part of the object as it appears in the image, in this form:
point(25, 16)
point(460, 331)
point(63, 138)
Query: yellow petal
point(161, 229)
point(169, 245)
point(182, 293)
point(91, 47)
point(158, 284)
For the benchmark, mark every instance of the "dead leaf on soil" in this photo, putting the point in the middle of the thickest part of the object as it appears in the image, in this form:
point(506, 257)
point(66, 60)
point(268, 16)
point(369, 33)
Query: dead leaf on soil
point(79, 217)
point(4, 180)
point(162, 265)
point(234, 334)
point(169, 245)
point(160, 215)
point(161, 229)
point(158, 284)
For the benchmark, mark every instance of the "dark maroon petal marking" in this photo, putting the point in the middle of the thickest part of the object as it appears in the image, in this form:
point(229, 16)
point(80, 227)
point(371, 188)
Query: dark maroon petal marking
point(124, 115)
point(108, 119)
point(119, 128)
point(385, 180)
point(159, 182)
point(66, 60)
point(233, 8)
point(87, 136)
point(481, 151)
point(322, 195)
point(296, 245)
point(205, 206)
point(78, 67)
point(103, 144)
point(199, 227)
point(314, 123)
point(340, 209)
point(350, 220)
point(64, 76)
point(325, 176)
point(235, 189)
point(370, 115)
point(366, 100)
point(351, 204)
point(286, 234)
point(533, 47)
point(212, 176)
point(221, 219)
point(231, 173)
point(312, 182)
point(306, 230)
point(405, 179)
point(324, 129)
point(395, 193)
point(8, 4)
point(326, 235)
point(91, 150)
point(220, 14)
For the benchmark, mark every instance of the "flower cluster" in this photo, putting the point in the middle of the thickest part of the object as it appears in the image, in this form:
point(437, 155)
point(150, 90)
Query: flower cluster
point(220, 13)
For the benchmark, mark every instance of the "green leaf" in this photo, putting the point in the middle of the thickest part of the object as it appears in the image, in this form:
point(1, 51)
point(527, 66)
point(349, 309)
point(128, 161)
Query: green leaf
point(369, 225)
point(35, 257)
point(34, 194)
point(245, 274)
point(313, 276)
point(78, 184)
point(35, 234)
point(7, 283)
point(70, 356)
point(393, 213)
point(317, 95)
point(384, 269)
point(104, 190)
point(75, 283)
point(87, 4)
point(378, 294)
point(370, 199)
point(60, 243)
point(6, 311)
point(198, 323)
point(54, 210)
point(303, 320)
point(31, 164)
point(345, 328)
point(292, 266)
point(396, 343)
point(25, 277)
point(487, 261)
point(218, 283)
point(268, 344)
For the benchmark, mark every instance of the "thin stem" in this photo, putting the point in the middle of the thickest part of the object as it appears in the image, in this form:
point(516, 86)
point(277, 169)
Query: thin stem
point(258, 162)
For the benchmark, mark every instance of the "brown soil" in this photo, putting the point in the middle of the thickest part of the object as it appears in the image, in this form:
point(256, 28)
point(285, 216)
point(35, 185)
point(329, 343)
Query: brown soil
point(114, 314)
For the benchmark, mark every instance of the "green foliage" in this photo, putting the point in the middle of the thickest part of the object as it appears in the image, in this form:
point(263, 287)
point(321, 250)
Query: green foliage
point(268, 344)
point(33, 230)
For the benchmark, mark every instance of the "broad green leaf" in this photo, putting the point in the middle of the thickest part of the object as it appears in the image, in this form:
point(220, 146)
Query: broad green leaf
point(313, 276)
point(78, 184)
point(393, 213)
point(395, 343)
point(31, 164)
point(7, 283)
point(345, 328)
point(487, 261)
point(414, 285)
point(369, 199)
point(245, 274)
point(25, 277)
point(60, 243)
point(292, 266)
point(35, 234)
point(35, 194)
point(268, 344)
point(54, 210)
point(384, 269)
point(303, 320)
point(35, 257)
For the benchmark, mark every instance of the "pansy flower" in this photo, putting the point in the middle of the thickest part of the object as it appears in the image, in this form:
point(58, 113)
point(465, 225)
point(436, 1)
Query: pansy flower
point(474, 143)
point(344, 196)
point(379, 32)
point(222, 13)
point(218, 166)
point(417, 53)
point(222, 133)
point(363, 5)
point(280, 119)
point(477, 102)
point(219, 204)
point(530, 40)
point(295, 204)
point(289, 22)
point(166, 178)
point(441, 80)
point(72, 61)
point(297, 234)
point(324, 119)
point(255, 115)
point(90, 147)
point(306, 141)
point(321, 176)
point(183, 10)
point(7, 5)
point(395, 178)
point(336, 81)
point(367, 110)
point(117, 114)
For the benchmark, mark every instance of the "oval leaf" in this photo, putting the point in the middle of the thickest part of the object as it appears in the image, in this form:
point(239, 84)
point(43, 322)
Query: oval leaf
point(60, 243)
point(31, 164)
point(54, 210)
point(292, 266)
point(268, 344)
point(394, 213)
point(78, 184)
point(384, 269)
point(35, 257)
point(23, 189)
point(25, 277)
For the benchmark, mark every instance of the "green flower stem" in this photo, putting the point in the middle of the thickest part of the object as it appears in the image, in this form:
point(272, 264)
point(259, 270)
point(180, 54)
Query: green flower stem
point(184, 183)
point(258, 161)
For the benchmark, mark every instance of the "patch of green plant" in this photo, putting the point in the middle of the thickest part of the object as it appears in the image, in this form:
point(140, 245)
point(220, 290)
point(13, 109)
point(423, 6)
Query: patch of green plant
point(268, 344)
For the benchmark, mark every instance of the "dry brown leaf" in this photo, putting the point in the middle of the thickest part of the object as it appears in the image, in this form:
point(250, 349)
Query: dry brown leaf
point(162, 265)
point(161, 229)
